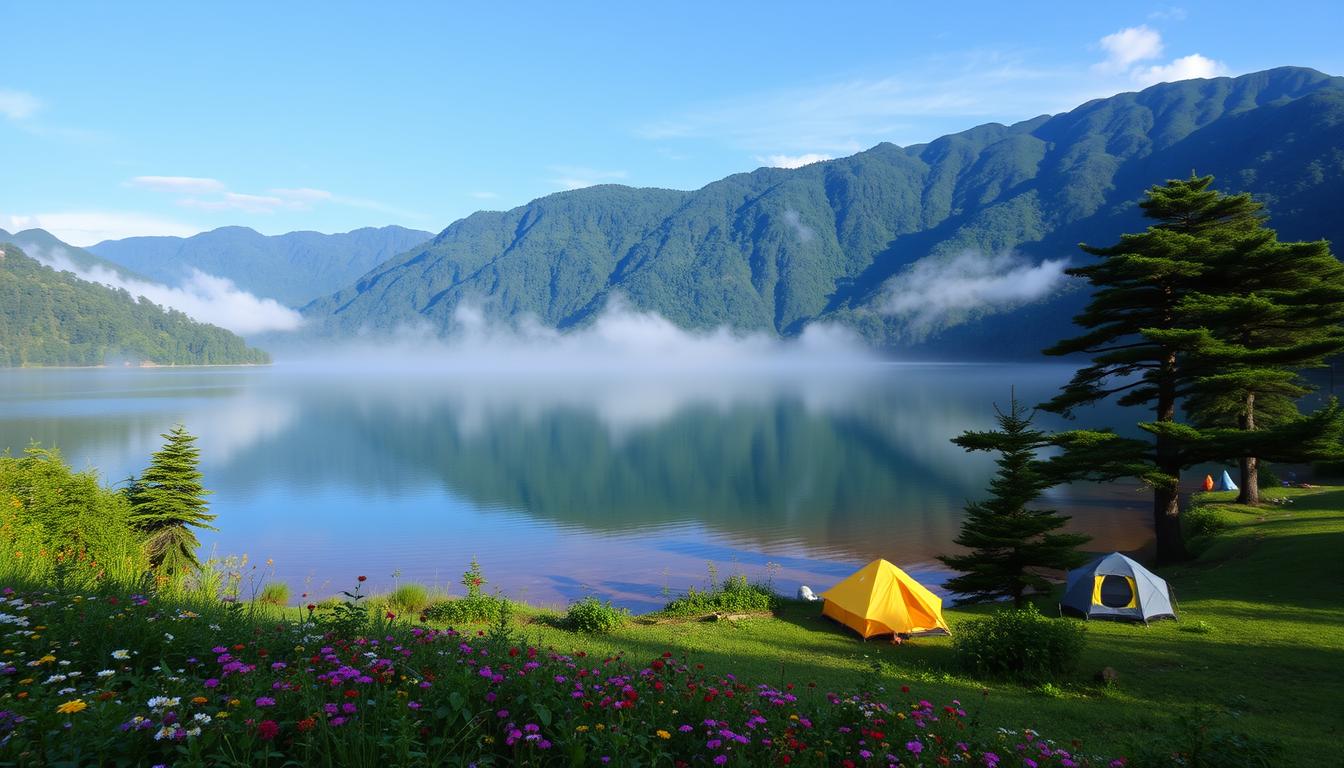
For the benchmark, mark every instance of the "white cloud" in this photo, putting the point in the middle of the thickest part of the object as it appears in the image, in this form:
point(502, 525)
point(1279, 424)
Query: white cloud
point(17, 105)
point(794, 221)
point(204, 297)
point(577, 177)
point(1129, 46)
point(181, 184)
point(936, 290)
point(793, 161)
point(1184, 68)
point(84, 228)
point(620, 340)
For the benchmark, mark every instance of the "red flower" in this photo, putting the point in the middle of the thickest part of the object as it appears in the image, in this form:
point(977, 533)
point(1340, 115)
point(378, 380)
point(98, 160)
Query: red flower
point(306, 724)
point(267, 730)
point(391, 615)
point(905, 689)
point(311, 607)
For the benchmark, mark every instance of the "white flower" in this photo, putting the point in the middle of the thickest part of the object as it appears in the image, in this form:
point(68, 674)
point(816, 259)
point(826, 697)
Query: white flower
point(65, 691)
point(163, 702)
point(55, 679)
point(75, 673)
point(121, 654)
point(64, 662)
point(168, 637)
point(202, 718)
point(106, 673)
point(193, 732)
point(166, 732)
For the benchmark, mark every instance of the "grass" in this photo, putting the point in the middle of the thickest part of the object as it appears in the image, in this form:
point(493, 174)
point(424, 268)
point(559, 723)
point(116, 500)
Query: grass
point(1261, 638)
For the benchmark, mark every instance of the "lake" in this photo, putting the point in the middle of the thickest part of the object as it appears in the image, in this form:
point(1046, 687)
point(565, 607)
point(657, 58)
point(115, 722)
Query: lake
point(625, 487)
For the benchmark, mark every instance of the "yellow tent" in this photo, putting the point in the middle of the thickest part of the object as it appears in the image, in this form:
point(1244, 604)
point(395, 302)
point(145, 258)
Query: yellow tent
point(881, 599)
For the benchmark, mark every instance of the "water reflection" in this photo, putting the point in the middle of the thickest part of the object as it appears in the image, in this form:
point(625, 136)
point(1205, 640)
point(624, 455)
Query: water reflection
point(620, 486)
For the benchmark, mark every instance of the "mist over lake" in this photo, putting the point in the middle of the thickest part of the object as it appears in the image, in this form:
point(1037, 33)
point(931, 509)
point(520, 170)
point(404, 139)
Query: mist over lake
point(565, 484)
point(562, 484)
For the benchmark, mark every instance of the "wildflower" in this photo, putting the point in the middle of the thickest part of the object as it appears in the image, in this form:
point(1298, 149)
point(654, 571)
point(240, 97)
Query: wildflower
point(72, 706)
point(265, 701)
point(121, 654)
point(363, 578)
point(663, 734)
point(914, 746)
point(199, 700)
point(106, 673)
point(268, 729)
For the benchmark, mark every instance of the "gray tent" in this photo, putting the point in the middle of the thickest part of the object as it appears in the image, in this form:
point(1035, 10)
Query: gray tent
point(1115, 587)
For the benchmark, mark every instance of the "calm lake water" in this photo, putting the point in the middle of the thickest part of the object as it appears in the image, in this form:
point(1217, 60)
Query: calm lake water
point(621, 487)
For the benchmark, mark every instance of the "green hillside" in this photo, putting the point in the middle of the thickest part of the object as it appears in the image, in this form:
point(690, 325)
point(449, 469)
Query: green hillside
point(41, 243)
point(53, 318)
point(293, 268)
point(776, 249)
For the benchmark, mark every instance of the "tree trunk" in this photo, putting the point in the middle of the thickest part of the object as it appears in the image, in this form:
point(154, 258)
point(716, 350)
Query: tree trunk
point(1250, 465)
point(1167, 525)
point(1166, 498)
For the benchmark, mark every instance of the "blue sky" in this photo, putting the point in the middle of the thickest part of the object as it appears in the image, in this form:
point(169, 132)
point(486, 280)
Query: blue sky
point(126, 119)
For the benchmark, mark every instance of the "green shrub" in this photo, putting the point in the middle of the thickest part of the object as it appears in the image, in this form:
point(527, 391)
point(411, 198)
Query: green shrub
point(592, 616)
point(405, 600)
point(474, 609)
point(275, 593)
point(1019, 644)
point(734, 595)
point(1200, 627)
point(1203, 521)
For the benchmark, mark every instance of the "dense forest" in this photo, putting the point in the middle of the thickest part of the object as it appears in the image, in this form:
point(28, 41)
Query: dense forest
point(53, 318)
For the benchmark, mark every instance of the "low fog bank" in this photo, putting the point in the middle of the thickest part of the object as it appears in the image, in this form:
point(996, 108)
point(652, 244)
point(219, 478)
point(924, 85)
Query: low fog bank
point(202, 296)
point(621, 340)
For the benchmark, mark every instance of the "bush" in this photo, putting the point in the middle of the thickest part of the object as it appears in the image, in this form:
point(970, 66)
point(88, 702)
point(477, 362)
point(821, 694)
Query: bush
point(1019, 644)
point(275, 593)
point(734, 595)
point(592, 616)
point(474, 609)
point(405, 600)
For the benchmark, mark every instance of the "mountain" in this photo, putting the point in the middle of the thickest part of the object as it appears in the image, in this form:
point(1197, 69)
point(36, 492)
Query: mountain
point(775, 249)
point(53, 318)
point(293, 268)
point(40, 242)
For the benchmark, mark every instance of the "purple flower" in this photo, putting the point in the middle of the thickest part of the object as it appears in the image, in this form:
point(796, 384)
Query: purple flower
point(720, 759)
point(914, 746)
point(212, 683)
point(265, 701)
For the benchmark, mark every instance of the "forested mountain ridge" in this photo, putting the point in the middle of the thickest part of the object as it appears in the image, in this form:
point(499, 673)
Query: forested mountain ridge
point(293, 268)
point(776, 249)
point(54, 318)
point(42, 245)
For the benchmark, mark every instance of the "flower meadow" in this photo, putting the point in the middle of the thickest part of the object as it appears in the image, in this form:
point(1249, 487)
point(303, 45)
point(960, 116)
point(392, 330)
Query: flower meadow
point(136, 679)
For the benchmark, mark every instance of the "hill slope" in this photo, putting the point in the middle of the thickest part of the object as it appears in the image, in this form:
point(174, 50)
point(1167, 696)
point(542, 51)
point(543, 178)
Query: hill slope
point(41, 243)
point(776, 249)
point(53, 318)
point(293, 268)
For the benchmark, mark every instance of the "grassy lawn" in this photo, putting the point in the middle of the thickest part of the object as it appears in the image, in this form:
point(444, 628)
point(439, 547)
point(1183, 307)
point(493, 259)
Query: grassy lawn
point(1261, 638)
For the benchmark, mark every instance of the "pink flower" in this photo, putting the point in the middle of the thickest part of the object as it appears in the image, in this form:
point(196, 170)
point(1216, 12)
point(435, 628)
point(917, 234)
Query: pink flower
point(267, 730)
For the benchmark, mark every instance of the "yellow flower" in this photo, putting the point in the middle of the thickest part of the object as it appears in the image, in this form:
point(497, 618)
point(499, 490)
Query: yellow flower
point(48, 659)
point(581, 729)
point(601, 727)
point(234, 702)
point(72, 706)
point(26, 681)
point(663, 734)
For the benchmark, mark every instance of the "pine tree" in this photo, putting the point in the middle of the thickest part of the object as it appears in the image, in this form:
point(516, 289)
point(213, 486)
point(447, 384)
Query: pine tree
point(1162, 328)
point(167, 503)
point(1010, 543)
point(1136, 334)
point(1280, 310)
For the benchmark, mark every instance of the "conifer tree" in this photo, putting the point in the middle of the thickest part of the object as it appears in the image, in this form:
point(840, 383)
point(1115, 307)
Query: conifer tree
point(1161, 328)
point(167, 503)
point(1279, 309)
point(1010, 544)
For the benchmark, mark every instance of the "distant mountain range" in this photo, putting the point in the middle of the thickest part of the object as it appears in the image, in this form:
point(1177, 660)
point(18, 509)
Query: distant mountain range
point(42, 245)
point(54, 318)
point(293, 268)
point(774, 250)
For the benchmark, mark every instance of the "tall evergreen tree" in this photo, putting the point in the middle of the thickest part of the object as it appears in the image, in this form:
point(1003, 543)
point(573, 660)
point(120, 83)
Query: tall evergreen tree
point(1280, 309)
point(1136, 336)
point(168, 502)
point(1158, 322)
point(1011, 544)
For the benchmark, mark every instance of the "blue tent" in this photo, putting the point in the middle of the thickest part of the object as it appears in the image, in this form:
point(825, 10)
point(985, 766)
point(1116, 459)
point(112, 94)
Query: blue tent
point(1115, 587)
point(1225, 483)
